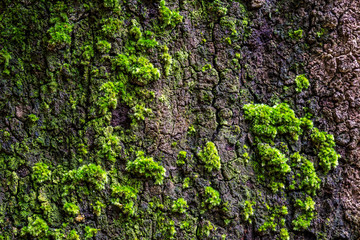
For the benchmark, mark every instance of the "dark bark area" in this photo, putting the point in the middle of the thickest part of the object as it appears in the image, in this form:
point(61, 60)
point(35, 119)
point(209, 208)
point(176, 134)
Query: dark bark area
point(109, 109)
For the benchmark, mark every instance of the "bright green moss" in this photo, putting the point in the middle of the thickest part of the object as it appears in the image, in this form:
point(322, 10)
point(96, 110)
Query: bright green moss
point(307, 209)
point(103, 46)
point(33, 118)
point(205, 229)
point(274, 165)
point(36, 228)
point(91, 173)
point(167, 60)
point(168, 17)
point(5, 60)
point(146, 166)
point(325, 144)
point(296, 35)
point(301, 82)
point(181, 158)
point(112, 27)
point(60, 34)
point(248, 210)
point(210, 156)
point(71, 208)
point(109, 97)
point(139, 113)
point(126, 192)
point(212, 198)
point(268, 122)
point(98, 206)
point(309, 181)
point(90, 232)
point(41, 172)
point(180, 206)
point(109, 145)
point(140, 69)
point(73, 235)
point(284, 234)
point(186, 183)
point(135, 32)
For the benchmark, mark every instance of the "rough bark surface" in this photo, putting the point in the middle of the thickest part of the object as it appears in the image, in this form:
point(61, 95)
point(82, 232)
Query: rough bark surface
point(85, 90)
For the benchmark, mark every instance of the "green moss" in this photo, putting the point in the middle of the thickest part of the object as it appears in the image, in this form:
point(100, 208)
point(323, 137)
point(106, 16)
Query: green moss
point(181, 158)
point(73, 235)
point(309, 181)
point(112, 27)
point(296, 35)
point(301, 82)
point(212, 198)
point(325, 144)
point(284, 234)
point(146, 166)
point(60, 34)
point(5, 58)
point(307, 209)
point(90, 173)
point(90, 232)
point(41, 172)
point(268, 122)
point(205, 229)
point(248, 210)
point(140, 69)
point(103, 46)
point(33, 118)
point(71, 208)
point(274, 165)
point(210, 157)
point(36, 228)
point(168, 17)
point(167, 60)
point(180, 206)
point(186, 183)
point(98, 206)
point(126, 192)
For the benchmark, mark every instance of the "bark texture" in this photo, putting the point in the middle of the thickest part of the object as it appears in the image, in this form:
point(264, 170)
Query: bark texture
point(109, 109)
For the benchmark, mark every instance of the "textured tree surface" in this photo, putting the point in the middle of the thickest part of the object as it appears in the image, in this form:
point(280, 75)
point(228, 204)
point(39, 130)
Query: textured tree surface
point(146, 119)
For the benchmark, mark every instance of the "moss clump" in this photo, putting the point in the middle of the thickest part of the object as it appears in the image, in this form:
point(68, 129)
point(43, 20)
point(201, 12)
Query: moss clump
point(248, 210)
point(33, 118)
point(73, 235)
point(180, 206)
point(103, 46)
point(146, 166)
point(268, 122)
point(296, 35)
point(98, 206)
point(36, 228)
point(284, 234)
point(127, 192)
point(305, 170)
point(325, 144)
point(168, 17)
point(5, 60)
point(274, 165)
point(90, 232)
point(301, 82)
point(91, 173)
point(210, 156)
point(140, 70)
point(181, 158)
point(307, 209)
point(71, 208)
point(60, 34)
point(212, 198)
point(41, 172)
point(205, 229)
